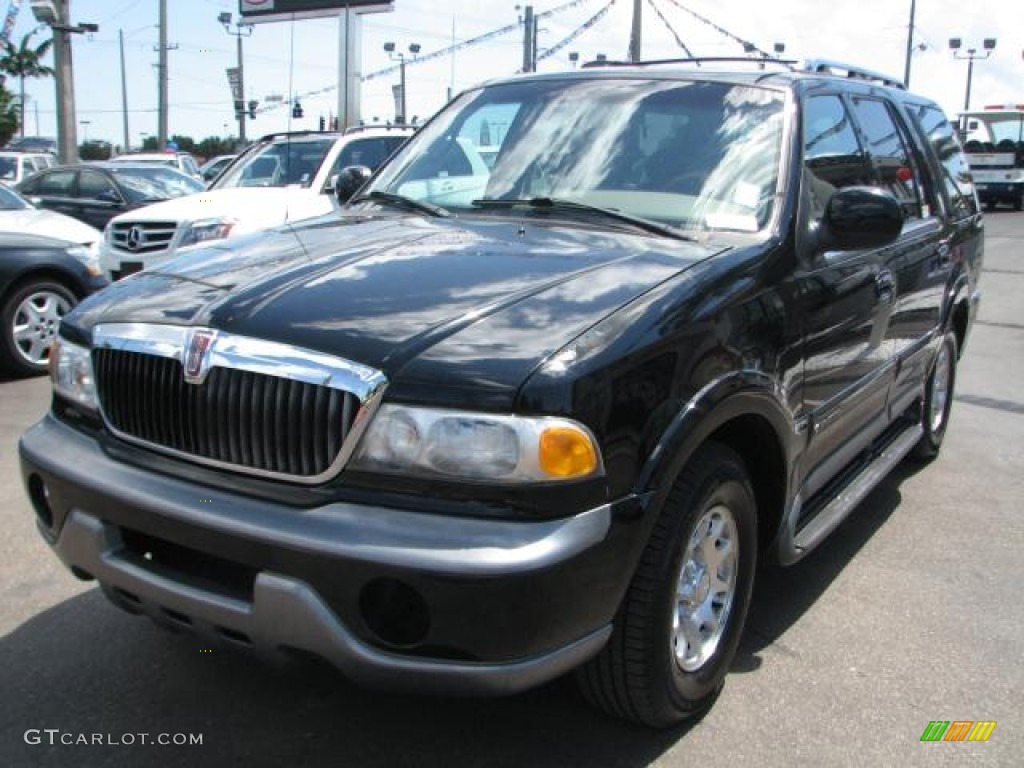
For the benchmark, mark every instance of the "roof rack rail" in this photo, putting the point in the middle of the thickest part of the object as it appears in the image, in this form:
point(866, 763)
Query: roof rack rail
point(286, 134)
point(841, 69)
point(760, 63)
point(381, 126)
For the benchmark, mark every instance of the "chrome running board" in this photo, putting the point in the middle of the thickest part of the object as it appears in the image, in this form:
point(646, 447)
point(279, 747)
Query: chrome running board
point(823, 523)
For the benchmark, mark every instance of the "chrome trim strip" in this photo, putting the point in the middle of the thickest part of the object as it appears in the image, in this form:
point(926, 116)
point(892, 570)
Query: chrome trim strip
point(269, 358)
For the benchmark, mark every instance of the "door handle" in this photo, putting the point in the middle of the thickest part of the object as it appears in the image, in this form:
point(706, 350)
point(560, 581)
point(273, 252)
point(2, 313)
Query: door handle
point(885, 285)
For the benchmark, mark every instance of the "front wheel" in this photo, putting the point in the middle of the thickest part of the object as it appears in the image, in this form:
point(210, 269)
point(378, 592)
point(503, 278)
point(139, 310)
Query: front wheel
point(677, 629)
point(30, 318)
point(938, 399)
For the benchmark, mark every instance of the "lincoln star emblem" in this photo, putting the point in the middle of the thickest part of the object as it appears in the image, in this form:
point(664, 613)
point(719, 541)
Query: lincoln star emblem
point(197, 354)
point(136, 238)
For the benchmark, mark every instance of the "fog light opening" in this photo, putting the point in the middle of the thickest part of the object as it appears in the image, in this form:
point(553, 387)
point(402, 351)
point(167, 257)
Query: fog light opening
point(395, 612)
point(39, 494)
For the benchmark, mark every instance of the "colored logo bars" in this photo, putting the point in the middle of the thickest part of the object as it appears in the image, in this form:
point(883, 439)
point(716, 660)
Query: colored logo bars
point(958, 730)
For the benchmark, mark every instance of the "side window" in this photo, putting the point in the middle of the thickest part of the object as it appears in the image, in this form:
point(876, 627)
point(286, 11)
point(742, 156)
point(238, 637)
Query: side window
point(833, 157)
point(955, 172)
point(92, 186)
point(895, 169)
point(31, 187)
point(371, 152)
point(30, 165)
point(57, 184)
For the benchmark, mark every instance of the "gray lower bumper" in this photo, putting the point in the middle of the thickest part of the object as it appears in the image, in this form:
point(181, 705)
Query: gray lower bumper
point(286, 613)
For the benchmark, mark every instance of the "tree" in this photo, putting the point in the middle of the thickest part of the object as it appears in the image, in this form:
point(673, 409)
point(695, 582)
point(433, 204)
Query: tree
point(95, 150)
point(8, 116)
point(23, 61)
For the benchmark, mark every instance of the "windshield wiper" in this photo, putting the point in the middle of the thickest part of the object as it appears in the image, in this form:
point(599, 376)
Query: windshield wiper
point(420, 206)
point(561, 204)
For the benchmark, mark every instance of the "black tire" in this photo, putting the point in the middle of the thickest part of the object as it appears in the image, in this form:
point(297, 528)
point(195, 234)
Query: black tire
point(637, 676)
point(19, 356)
point(935, 410)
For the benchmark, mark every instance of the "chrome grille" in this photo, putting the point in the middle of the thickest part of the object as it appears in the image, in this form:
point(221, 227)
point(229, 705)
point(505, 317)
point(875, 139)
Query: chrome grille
point(234, 417)
point(142, 237)
point(253, 406)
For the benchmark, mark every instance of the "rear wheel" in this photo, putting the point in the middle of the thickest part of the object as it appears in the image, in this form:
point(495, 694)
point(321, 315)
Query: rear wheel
point(680, 622)
point(938, 399)
point(29, 319)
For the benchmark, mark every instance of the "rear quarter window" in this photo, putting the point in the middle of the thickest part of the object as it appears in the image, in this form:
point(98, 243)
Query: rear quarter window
point(956, 174)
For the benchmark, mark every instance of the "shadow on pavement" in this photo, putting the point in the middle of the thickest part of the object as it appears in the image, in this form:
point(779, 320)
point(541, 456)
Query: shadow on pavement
point(783, 595)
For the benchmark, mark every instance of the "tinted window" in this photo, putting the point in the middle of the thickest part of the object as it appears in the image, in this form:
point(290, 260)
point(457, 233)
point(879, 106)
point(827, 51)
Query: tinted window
point(91, 185)
point(278, 164)
point(370, 152)
point(895, 169)
point(56, 184)
point(833, 157)
point(956, 174)
point(8, 168)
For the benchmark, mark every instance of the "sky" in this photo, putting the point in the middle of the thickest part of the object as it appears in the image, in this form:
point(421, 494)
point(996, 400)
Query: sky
point(301, 57)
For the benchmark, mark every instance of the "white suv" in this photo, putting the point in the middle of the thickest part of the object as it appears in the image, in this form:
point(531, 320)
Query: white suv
point(15, 167)
point(282, 178)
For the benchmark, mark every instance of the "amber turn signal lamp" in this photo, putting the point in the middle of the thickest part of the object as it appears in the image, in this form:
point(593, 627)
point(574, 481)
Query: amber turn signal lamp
point(567, 452)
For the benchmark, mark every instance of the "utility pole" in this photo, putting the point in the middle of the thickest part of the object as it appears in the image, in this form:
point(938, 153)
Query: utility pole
point(241, 30)
point(910, 45)
point(529, 39)
point(635, 35)
point(161, 136)
point(67, 136)
point(126, 146)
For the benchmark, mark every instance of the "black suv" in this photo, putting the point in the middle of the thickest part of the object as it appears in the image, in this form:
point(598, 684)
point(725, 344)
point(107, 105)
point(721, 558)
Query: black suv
point(584, 352)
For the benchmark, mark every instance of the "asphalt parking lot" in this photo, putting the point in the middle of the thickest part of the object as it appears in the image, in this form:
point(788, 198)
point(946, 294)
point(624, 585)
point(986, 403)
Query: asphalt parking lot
point(911, 612)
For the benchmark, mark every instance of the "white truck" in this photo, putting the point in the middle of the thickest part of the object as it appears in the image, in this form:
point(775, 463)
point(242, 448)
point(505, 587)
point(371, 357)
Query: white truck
point(995, 153)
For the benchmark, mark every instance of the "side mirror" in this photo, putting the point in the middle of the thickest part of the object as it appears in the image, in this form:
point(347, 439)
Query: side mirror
point(349, 181)
point(108, 196)
point(860, 217)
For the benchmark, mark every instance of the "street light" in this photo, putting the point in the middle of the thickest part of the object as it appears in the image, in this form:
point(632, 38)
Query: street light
point(85, 130)
point(237, 87)
point(395, 54)
point(988, 44)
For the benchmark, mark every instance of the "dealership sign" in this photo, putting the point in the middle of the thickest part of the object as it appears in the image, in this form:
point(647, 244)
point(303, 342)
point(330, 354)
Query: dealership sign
point(282, 10)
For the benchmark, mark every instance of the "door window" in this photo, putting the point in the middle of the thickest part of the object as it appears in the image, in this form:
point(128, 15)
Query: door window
point(57, 184)
point(896, 171)
point(96, 186)
point(833, 156)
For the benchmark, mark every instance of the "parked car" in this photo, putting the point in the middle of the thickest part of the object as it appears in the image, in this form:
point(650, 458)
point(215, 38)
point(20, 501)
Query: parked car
point(212, 167)
point(484, 427)
point(18, 215)
point(283, 178)
point(96, 192)
point(41, 280)
point(40, 144)
point(17, 166)
point(181, 161)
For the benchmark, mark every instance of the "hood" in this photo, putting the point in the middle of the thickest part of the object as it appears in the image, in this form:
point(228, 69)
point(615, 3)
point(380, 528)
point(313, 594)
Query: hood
point(253, 207)
point(468, 306)
point(35, 221)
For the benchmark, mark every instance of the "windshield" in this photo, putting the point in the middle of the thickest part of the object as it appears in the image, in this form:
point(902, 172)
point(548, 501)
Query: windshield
point(156, 183)
point(692, 155)
point(278, 164)
point(11, 200)
point(8, 167)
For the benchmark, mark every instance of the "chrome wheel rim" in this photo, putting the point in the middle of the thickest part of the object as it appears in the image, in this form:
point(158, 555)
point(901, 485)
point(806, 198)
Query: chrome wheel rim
point(36, 321)
point(706, 588)
point(940, 389)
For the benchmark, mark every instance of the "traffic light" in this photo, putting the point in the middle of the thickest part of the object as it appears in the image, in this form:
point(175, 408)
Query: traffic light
point(252, 108)
point(239, 108)
point(323, 123)
point(297, 110)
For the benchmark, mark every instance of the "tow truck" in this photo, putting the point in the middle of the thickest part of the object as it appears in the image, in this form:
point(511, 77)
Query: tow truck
point(995, 153)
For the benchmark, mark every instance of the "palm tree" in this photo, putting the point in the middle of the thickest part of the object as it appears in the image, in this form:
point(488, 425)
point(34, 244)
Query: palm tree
point(25, 61)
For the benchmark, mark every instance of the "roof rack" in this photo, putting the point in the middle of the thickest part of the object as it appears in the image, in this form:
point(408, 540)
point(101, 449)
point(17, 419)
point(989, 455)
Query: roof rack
point(698, 60)
point(379, 126)
point(841, 69)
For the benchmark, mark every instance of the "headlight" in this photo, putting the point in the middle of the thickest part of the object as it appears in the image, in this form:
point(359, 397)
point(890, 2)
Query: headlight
point(206, 230)
point(71, 373)
point(89, 256)
point(477, 446)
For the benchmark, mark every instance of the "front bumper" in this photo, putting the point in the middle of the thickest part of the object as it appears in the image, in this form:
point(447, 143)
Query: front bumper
point(394, 599)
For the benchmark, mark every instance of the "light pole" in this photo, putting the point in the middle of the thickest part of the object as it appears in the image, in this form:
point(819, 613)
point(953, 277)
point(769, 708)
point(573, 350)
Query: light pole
point(241, 30)
point(85, 130)
point(988, 45)
point(414, 48)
